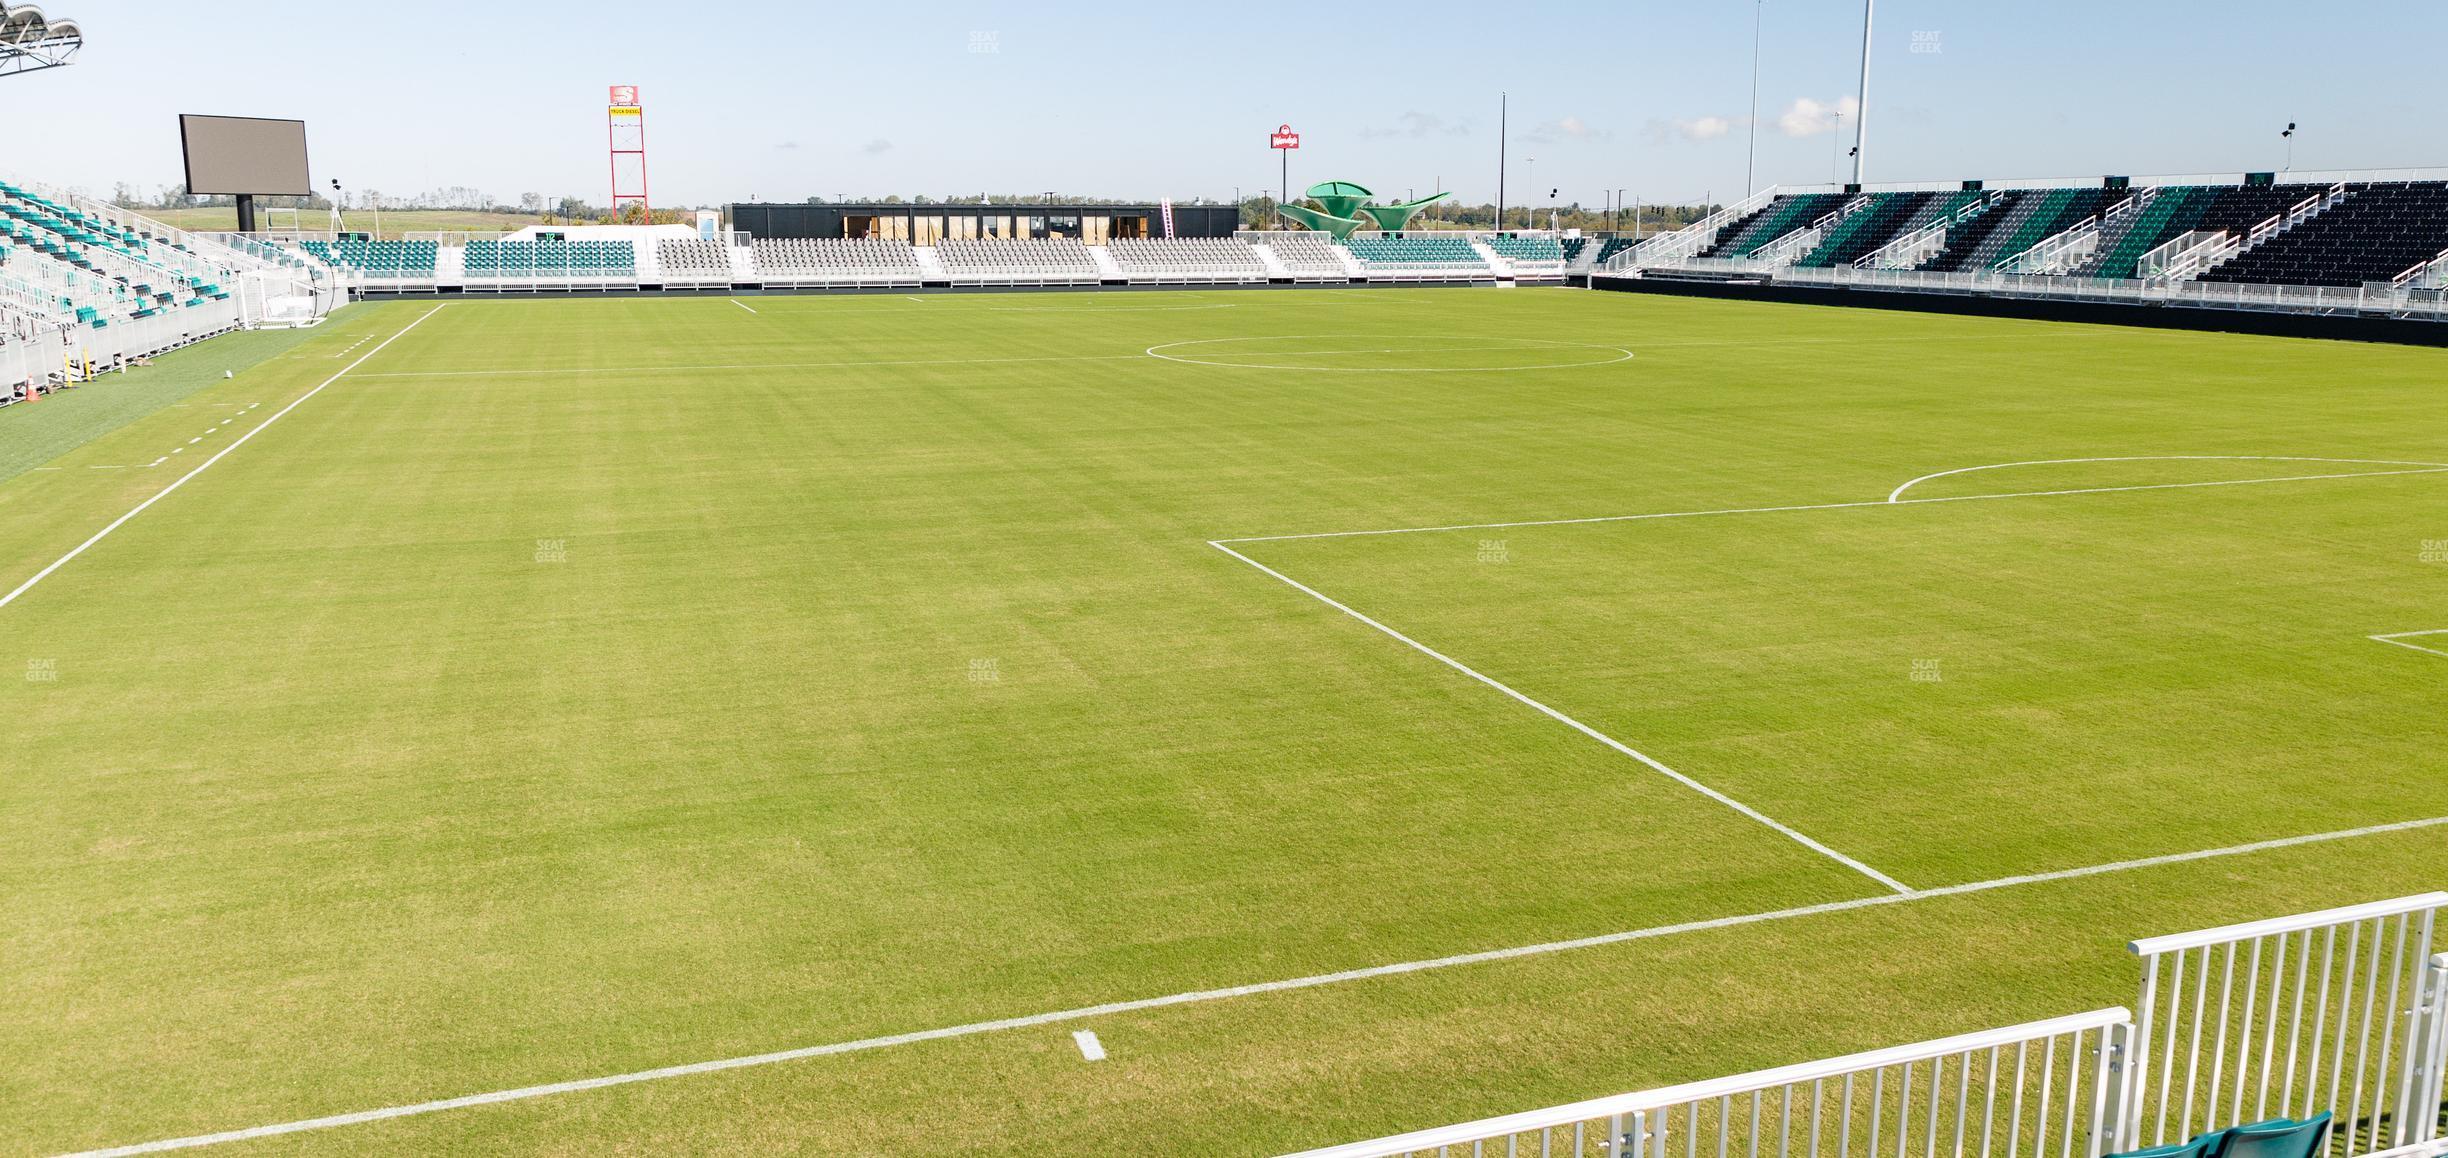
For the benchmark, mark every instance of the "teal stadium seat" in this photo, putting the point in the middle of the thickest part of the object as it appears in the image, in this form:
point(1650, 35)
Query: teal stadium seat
point(2278, 1138)
point(1399, 253)
point(1518, 248)
point(2274, 1138)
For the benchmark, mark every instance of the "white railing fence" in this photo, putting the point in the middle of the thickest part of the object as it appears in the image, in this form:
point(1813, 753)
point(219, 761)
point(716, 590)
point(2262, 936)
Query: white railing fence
point(2344, 1011)
point(1691, 239)
point(2378, 299)
point(2427, 274)
point(2027, 1091)
point(2300, 212)
point(2289, 1017)
point(1912, 249)
point(2187, 254)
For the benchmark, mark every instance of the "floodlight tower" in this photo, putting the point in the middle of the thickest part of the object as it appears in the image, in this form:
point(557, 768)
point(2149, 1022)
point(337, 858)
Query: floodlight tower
point(31, 41)
point(628, 135)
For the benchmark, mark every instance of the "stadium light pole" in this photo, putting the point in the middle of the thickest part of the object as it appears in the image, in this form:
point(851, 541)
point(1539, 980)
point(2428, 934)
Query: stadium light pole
point(1751, 162)
point(1503, 105)
point(1861, 112)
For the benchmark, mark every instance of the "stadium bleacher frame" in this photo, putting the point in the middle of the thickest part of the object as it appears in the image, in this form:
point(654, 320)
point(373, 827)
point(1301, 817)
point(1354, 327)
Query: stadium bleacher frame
point(32, 42)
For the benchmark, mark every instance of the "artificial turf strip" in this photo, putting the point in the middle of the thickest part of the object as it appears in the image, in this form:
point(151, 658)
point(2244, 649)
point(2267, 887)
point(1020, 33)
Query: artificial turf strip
point(42, 431)
point(720, 683)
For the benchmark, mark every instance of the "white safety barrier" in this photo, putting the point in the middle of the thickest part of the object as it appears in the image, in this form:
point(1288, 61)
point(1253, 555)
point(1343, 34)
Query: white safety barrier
point(2026, 1091)
point(2344, 1010)
point(2336, 1010)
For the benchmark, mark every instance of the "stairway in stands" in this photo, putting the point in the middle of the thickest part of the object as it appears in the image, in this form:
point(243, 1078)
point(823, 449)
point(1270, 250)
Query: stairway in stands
point(1774, 220)
point(1874, 225)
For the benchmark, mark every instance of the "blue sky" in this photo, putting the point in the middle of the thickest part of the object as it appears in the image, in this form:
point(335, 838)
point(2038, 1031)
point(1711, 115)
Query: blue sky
point(785, 99)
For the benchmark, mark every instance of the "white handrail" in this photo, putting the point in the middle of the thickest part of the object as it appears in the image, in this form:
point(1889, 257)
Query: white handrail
point(1624, 1106)
point(2152, 946)
point(1913, 248)
point(2436, 263)
point(1691, 238)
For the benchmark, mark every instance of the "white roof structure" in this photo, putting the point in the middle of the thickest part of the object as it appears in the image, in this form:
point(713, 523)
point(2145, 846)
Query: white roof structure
point(31, 41)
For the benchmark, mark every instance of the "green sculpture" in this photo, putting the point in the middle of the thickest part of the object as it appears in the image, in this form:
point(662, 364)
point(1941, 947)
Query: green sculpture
point(1344, 202)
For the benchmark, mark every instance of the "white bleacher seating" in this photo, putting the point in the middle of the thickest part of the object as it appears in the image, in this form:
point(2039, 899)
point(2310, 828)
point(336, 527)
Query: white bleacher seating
point(1187, 260)
point(693, 260)
point(1056, 261)
point(1309, 256)
point(802, 261)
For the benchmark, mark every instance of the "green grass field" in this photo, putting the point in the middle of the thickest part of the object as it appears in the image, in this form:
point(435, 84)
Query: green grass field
point(580, 688)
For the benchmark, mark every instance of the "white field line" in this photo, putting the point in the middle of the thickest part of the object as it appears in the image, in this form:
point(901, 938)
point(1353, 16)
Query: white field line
point(741, 304)
point(1898, 494)
point(1206, 995)
point(2235, 482)
point(2399, 639)
point(1788, 831)
point(205, 465)
point(746, 366)
point(1522, 345)
point(1893, 499)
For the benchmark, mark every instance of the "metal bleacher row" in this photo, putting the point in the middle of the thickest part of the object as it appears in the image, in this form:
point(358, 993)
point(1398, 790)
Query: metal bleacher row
point(2373, 236)
point(491, 264)
point(87, 287)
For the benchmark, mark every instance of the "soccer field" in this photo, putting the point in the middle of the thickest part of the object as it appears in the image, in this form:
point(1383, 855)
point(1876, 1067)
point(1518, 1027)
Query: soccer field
point(1361, 709)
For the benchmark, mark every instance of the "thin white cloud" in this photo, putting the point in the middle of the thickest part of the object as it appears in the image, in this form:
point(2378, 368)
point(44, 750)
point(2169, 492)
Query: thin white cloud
point(1563, 129)
point(1809, 118)
point(878, 147)
point(1704, 128)
point(1417, 125)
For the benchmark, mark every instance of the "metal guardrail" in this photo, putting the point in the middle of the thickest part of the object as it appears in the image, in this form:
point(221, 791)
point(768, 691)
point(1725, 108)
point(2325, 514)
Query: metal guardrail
point(2080, 1086)
point(2372, 299)
point(1692, 238)
point(2317, 979)
point(2040, 1090)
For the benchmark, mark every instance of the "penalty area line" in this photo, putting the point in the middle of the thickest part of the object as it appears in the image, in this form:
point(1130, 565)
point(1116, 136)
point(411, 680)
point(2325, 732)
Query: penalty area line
point(1788, 831)
point(2398, 639)
point(1207, 995)
point(206, 465)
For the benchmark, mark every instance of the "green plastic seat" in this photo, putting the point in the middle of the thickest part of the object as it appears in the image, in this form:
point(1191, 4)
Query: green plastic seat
point(2278, 1138)
point(2202, 1146)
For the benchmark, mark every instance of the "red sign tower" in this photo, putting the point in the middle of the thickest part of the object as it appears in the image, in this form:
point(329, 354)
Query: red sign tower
point(628, 134)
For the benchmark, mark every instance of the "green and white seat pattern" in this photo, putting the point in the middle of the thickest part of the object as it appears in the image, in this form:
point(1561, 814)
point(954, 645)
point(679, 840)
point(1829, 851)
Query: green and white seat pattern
point(399, 259)
point(98, 270)
point(1516, 247)
point(489, 259)
point(1419, 257)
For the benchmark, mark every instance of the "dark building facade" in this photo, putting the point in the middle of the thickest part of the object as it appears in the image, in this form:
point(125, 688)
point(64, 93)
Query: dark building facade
point(929, 224)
